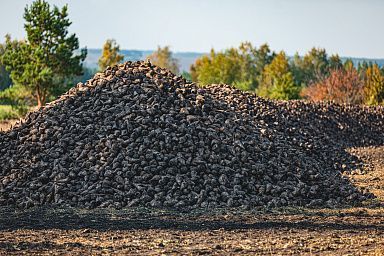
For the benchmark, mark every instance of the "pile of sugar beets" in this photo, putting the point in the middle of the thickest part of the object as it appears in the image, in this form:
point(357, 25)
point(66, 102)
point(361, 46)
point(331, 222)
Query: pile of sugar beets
point(137, 135)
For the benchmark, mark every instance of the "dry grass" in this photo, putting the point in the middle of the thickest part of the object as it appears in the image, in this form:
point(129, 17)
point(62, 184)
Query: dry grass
point(7, 124)
point(7, 112)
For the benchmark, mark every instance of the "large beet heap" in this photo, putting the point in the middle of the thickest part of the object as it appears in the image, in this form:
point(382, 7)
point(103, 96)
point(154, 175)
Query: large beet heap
point(139, 135)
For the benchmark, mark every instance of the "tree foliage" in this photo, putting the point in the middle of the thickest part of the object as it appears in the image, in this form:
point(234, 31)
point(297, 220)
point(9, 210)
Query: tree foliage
point(187, 76)
point(341, 86)
point(315, 76)
point(220, 67)
point(162, 57)
point(374, 85)
point(312, 65)
point(277, 81)
point(110, 55)
point(46, 59)
point(5, 80)
point(239, 67)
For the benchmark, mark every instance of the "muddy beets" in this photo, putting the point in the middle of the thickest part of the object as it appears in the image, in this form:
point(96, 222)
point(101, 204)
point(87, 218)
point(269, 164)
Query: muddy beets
point(137, 135)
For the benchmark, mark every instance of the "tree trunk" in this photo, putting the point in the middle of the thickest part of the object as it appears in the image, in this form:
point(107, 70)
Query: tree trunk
point(43, 97)
point(38, 102)
point(39, 97)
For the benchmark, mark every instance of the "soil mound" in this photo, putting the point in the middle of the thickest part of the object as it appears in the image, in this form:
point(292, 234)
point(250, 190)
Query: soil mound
point(138, 135)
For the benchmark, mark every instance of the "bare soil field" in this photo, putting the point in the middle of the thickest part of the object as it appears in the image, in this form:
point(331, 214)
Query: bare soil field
point(143, 231)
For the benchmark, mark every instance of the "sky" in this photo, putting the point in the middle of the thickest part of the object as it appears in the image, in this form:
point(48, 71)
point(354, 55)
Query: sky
point(352, 28)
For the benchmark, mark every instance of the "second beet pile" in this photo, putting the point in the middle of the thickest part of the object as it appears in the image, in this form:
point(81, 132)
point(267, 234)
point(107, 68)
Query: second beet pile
point(137, 135)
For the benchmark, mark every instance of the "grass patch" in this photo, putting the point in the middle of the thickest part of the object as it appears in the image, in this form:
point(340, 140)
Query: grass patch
point(7, 112)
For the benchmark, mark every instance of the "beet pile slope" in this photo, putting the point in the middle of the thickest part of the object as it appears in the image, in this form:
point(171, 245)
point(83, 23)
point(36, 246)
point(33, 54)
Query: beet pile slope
point(137, 135)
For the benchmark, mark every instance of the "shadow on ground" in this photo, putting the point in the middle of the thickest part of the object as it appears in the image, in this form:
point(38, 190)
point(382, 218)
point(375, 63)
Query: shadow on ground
point(146, 219)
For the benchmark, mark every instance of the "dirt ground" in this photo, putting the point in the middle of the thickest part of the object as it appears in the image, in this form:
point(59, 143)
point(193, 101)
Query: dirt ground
point(142, 231)
point(7, 124)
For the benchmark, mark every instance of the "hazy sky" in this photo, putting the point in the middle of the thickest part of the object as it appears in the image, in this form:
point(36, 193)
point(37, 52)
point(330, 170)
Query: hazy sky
point(348, 27)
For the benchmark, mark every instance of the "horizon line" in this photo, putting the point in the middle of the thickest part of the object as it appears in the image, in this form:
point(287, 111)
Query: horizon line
point(141, 50)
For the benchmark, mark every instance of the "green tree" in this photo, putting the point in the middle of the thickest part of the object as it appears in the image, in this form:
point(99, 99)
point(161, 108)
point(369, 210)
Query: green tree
point(260, 57)
point(163, 58)
point(218, 67)
point(187, 76)
point(110, 55)
point(252, 61)
point(239, 67)
point(277, 80)
point(374, 85)
point(46, 60)
point(314, 64)
point(5, 79)
point(13, 94)
point(334, 62)
point(348, 64)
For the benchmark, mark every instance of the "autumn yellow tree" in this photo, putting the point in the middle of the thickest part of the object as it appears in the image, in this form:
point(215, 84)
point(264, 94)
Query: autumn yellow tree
point(276, 81)
point(110, 55)
point(374, 85)
point(163, 58)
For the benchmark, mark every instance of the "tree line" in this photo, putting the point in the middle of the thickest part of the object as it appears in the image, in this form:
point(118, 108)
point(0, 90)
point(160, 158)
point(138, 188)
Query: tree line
point(315, 76)
point(49, 61)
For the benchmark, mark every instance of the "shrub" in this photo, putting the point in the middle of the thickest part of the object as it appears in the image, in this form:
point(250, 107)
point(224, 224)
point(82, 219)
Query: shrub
point(341, 86)
point(7, 112)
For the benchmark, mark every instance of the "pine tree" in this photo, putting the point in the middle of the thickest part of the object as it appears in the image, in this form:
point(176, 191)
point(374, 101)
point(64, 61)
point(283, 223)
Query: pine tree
point(46, 59)
point(314, 65)
point(5, 80)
